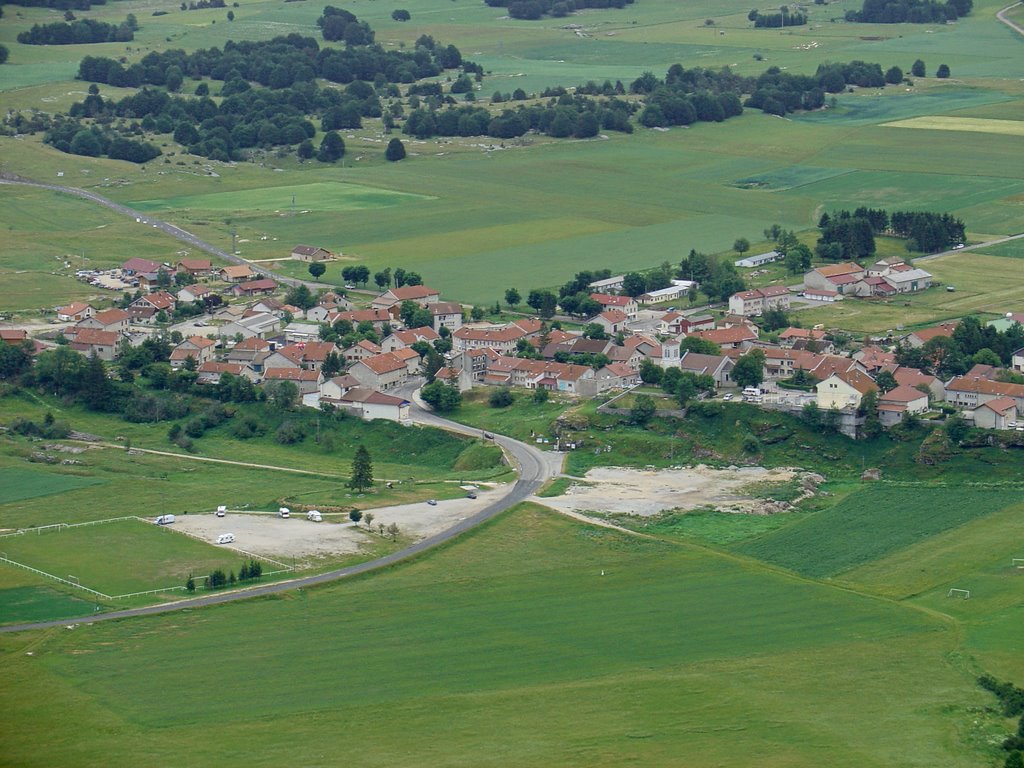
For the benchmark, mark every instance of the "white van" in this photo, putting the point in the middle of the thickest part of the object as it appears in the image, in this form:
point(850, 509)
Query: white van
point(314, 516)
point(226, 538)
point(221, 511)
point(751, 392)
point(284, 512)
point(165, 520)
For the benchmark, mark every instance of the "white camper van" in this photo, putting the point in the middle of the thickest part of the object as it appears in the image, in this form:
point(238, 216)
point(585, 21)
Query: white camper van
point(222, 510)
point(314, 516)
point(165, 520)
point(226, 538)
point(284, 512)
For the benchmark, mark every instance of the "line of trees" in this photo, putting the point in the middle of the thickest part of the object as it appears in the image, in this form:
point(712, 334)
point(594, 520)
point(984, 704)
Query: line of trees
point(574, 116)
point(79, 32)
point(910, 11)
point(61, 5)
point(775, 20)
point(280, 63)
point(531, 10)
point(846, 235)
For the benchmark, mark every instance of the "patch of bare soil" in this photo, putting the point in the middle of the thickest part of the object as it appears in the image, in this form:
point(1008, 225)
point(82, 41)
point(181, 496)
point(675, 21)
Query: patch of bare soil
point(616, 490)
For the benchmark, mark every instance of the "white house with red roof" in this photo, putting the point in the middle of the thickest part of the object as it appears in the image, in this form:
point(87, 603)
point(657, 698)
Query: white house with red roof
point(757, 301)
point(92, 341)
point(625, 304)
point(196, 347)
point(115, 320)
point(369, 404)
point(737, 337)
point(420, 294)
point(998, 413)
point(361, 350)
point(191, 293)
point(406, 338)
point(380, 372)
point(896, 403)
point(72, 313)
point(308, 382)
point(612, 321)
point(195, 267)
point(447, 314)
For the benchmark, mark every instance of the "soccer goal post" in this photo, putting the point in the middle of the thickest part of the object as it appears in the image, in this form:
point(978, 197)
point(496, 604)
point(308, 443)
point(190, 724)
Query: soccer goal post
point(961, 593)
point(1017, 562)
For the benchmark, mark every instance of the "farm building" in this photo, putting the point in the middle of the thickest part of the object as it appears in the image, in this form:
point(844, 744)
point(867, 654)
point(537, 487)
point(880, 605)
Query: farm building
point(311, 253)
point(758, 261)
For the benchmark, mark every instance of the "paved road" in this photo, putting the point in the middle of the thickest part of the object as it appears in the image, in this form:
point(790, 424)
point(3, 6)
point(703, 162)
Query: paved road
point(1011, 24)
point(534, 470)
point(974, 247)
point(170, 229)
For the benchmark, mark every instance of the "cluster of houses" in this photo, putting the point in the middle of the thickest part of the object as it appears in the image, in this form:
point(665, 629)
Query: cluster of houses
point(265, 341)
point(883, 279)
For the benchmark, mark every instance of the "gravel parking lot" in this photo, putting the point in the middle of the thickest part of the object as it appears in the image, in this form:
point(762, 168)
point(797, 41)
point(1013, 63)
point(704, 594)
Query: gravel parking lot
point(266, 534)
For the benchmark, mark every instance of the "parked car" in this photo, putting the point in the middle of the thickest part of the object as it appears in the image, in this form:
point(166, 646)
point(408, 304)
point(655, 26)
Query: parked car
point(727, 396)
point(284, 512)
point(165, 520)
point(432, 502)
point(221, 511)
point(314, 516)
point(488, 436)
point(226, 538)
point(471, 495)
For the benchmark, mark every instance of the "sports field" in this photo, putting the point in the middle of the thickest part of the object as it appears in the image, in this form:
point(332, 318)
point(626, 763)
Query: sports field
point(120, 557)
point(673, 653)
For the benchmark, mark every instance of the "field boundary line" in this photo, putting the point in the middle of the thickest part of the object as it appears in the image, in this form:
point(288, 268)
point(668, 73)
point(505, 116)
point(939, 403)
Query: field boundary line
point(55, 578)
point(250, 465)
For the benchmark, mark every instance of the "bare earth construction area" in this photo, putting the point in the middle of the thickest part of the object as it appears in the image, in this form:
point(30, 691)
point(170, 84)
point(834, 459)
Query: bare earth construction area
point(615, 490)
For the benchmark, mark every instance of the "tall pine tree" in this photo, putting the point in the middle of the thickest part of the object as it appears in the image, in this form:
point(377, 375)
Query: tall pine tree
point(362, 470)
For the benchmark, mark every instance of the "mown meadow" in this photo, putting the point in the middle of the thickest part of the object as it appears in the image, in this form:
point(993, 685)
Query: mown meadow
point(673, 653)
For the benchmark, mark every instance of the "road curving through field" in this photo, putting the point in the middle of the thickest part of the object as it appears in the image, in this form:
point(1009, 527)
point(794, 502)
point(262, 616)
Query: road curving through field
point(534, 470)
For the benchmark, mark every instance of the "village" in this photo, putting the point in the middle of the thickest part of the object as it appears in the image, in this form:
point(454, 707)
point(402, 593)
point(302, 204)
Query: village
point(357, 350)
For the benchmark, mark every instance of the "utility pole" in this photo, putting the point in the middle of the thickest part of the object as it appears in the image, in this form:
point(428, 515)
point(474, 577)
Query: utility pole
point(234, 240)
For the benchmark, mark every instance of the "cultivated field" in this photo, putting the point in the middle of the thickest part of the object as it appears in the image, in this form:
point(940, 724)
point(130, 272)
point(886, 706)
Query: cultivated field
point(475, 217)
point(871, 524)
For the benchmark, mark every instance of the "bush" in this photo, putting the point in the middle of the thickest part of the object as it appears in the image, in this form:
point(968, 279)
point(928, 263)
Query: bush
point(501, 398)
point(289, 433)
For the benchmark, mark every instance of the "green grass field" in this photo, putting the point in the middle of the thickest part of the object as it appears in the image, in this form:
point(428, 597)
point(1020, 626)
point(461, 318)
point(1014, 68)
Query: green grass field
point(19, 484)
point(120, 557)
point(871, 524)
point(674, 652)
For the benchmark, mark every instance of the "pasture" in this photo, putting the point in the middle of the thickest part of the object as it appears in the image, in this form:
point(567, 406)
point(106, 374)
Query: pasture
point(674, 651)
